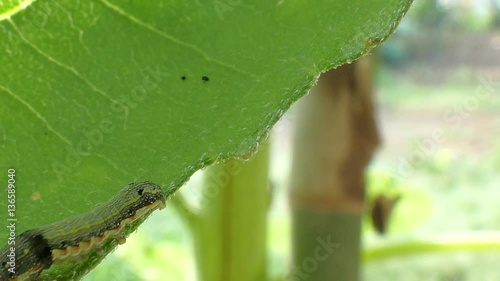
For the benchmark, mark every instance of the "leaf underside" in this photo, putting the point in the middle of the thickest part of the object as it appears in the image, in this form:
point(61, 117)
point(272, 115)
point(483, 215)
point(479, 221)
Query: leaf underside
point(97, 94)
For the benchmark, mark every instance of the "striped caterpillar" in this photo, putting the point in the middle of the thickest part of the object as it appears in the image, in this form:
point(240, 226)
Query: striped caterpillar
point(38, 249)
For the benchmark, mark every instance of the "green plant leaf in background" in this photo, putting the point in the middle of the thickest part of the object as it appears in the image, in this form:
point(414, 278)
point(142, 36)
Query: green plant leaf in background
point(96, 94)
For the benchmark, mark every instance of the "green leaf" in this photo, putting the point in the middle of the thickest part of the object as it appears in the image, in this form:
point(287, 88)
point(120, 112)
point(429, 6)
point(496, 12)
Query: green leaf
point(96, 94)
point(11, 7)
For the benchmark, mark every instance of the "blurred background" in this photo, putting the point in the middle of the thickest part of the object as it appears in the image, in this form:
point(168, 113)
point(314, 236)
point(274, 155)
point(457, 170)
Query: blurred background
point(437, 102)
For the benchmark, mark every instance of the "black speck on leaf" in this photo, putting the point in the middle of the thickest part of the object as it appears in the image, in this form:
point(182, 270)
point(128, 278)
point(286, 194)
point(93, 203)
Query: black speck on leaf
point(204, 78)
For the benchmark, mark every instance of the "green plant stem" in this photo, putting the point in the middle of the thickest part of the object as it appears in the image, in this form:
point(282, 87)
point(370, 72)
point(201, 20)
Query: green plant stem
point(335, 136)
point(230, 238)
point(472, 242)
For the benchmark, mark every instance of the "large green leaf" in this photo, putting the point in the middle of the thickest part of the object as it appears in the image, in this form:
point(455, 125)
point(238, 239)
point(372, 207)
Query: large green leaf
point(96, 94)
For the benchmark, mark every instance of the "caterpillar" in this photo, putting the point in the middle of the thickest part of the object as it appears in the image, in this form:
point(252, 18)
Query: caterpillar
point(68, 240)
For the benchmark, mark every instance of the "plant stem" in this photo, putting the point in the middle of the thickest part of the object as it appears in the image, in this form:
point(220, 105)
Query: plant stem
point(472, 242)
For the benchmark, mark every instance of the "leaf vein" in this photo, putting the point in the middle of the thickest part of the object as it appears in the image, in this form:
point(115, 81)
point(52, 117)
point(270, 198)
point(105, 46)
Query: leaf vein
point(36, 113)
point(111, 163)
point(60, 64)
point(172, 38)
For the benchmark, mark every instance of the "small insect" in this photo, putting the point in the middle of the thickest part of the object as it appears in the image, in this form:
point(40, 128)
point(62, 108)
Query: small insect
point(183, 77)
point(204, 78)
point(381, 211)
point(72, 238)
